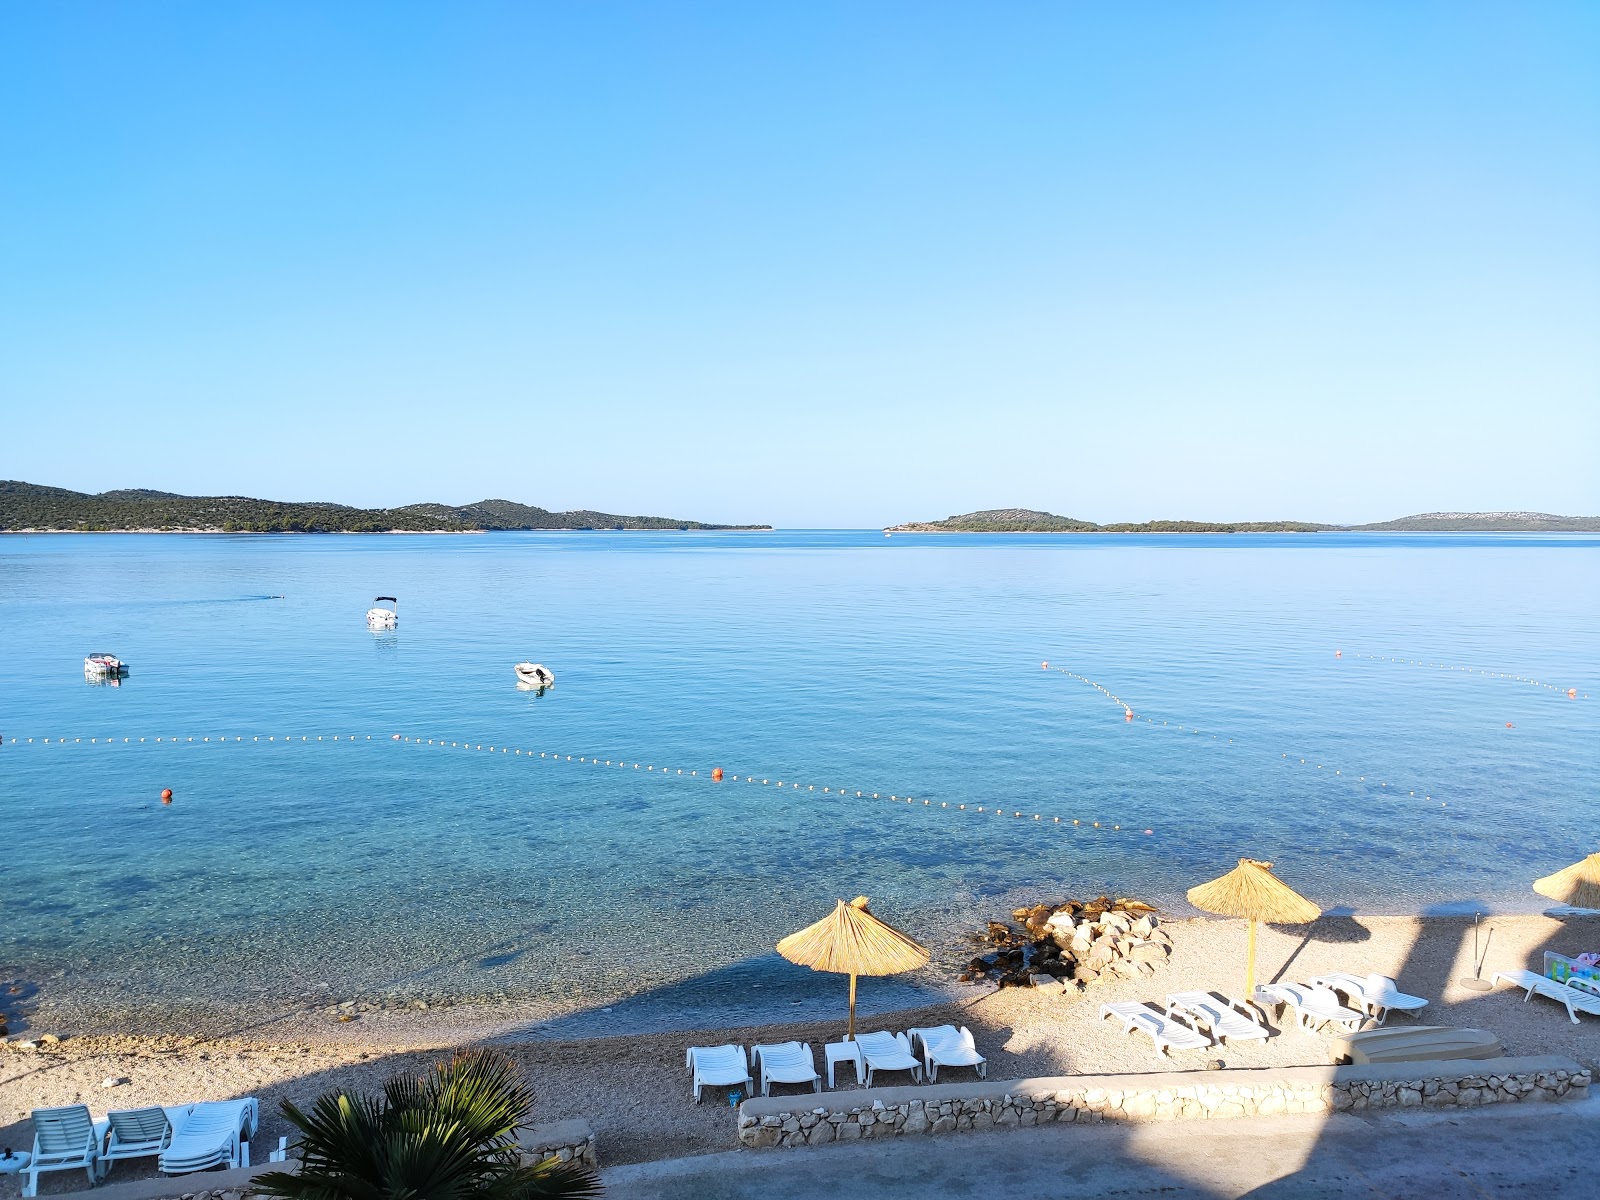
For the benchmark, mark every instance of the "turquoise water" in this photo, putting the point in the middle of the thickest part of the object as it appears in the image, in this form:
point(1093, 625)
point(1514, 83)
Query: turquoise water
point(292, 871)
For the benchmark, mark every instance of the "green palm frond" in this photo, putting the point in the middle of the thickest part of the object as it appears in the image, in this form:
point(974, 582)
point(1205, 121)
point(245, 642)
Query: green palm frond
point(449, 1135)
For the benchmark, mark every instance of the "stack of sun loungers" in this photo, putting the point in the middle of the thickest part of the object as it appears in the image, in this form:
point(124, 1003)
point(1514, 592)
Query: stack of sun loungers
point(919, 1052)
point(195, 1137)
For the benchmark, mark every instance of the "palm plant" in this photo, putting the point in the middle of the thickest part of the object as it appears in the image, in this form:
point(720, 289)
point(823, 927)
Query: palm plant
point(450, 1135)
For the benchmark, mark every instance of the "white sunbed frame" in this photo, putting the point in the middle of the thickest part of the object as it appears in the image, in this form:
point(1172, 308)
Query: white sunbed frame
point(1225, 1020)
point(135, 1133)
point(1167, 1032)
point(64, 1139)
point(947, 1046)
point(1576, 999)
point(1314, 1007)
point(785, 1062)
point(716, 1066)
point(1378, 1001)
point(885, 1051)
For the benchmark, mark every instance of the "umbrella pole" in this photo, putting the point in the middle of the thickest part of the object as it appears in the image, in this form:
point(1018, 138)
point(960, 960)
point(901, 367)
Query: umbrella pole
point(1250, 966)
point(851, 1036)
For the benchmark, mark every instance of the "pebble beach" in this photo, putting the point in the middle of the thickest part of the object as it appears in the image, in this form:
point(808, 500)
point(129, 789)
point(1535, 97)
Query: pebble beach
point(635, 1093)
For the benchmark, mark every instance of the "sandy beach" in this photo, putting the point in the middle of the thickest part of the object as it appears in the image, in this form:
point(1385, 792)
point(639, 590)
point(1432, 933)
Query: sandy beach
point(635, 1093)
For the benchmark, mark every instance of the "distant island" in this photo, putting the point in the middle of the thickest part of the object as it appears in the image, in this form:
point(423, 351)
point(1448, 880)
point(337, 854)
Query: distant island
point(32, 508)
point(1029, 520)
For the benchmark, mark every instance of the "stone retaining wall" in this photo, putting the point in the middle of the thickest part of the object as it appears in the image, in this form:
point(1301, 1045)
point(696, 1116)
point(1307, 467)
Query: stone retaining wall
point(568, 1141)
point(1179, 1095)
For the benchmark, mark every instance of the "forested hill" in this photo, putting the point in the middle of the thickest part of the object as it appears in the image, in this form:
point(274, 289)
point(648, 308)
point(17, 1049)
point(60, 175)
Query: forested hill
point(1029, 520)
point(31, 507)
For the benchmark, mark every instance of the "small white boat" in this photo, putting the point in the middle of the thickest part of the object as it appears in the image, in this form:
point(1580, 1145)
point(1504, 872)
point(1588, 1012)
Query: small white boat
point(534, 675)
point(104, 666)
point(384, 618)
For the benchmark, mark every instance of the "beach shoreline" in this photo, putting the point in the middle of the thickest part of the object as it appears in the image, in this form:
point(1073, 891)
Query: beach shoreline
point(633, 1090)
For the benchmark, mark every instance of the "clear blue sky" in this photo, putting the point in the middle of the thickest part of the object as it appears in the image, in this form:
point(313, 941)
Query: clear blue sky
point(812, 264)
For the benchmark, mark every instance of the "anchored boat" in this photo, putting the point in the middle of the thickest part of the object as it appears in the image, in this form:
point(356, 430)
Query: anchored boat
point(104, 666)
point(384, 618)
point(534, 675)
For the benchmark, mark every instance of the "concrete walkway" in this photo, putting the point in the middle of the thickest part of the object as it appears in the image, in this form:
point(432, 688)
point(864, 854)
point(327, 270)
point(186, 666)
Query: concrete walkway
point(1532, 1149)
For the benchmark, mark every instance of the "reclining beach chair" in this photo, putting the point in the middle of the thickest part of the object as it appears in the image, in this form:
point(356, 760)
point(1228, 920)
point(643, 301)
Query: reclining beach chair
point(1577, 1000)
point(717, 1066)
point(1165, 1031)
point(215, 1133)
point(947, 1046)
point(135, 1133)
point(1314, 1007)
point(1377, 994)
point(64, 1139)
point(786, 1062)
point(1225, 1020)
point(885, 1051)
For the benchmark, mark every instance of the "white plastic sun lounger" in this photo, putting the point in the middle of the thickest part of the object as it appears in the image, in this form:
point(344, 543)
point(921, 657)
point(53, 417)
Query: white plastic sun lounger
point(135, 1133)
point(947, 1046)
point(786, 1062)
point(885, 1051)
point(213, 1134)
point(1575, 999)
point(717, 1066)
point(1166, 1032)
point(1375, 993)
point(64, 1139)
point(1225, 1020)
point(1313, 1006)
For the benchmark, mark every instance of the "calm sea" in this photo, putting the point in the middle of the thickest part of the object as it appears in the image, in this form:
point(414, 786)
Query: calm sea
point(293, 867)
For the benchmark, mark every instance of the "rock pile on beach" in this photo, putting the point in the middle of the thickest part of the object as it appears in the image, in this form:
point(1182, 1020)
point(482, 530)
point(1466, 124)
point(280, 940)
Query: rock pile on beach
point(1070, 943)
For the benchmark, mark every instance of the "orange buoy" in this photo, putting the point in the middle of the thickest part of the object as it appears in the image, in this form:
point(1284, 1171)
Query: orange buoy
point(1127, 714)
point(1572, 693)
point(716, 774)
point(1044, 666)
point(1509, 725)
point(166, 795)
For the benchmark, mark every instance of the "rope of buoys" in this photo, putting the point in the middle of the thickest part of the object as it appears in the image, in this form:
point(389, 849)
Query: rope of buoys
point(1570, 692)
point(716, 775)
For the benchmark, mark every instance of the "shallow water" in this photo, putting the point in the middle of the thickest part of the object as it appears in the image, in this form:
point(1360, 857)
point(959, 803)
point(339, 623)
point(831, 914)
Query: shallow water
point(289, 870)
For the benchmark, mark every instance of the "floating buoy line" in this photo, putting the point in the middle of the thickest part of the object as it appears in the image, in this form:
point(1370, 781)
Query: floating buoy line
point(715, 775)
point(1374, 785)
point(1455, 668)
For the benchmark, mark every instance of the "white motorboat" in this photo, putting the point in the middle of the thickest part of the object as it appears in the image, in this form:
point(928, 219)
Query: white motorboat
point(384, 618)
point(102, 666)
point(534, 675)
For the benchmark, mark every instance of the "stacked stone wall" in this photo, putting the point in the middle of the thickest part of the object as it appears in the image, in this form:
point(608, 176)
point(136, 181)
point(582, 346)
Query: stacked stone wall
point(1196, 1095)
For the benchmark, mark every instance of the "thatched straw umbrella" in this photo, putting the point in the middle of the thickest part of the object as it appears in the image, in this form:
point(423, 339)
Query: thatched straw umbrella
point(851, 941)
point(1577, 885)
point(1253, 892)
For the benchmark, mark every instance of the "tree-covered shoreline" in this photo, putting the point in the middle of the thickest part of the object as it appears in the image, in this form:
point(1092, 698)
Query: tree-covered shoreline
point(28, 507)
